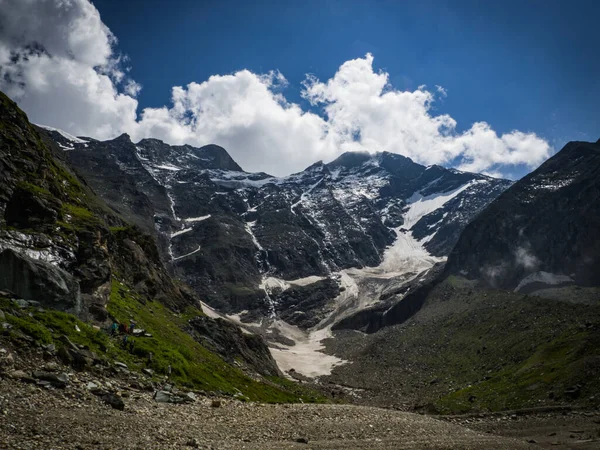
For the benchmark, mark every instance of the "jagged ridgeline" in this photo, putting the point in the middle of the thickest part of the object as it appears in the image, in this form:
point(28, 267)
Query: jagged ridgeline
point(70, 264)
point(275, 246)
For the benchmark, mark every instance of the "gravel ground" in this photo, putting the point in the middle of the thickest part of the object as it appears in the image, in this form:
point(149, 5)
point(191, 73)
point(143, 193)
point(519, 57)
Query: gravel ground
point(560, 431)
point(37, 418)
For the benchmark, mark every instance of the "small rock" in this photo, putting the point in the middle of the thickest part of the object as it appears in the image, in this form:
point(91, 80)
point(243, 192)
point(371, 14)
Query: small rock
point(114, 401)
point(216, 403)
point(18, 375)
point(148, 372)
point(121, 365)
point(2, 316)
point(50, 367)
point(49, 348)
point(191, 396)
point(302, 440)
point(532, 441)
point(193, 442)
point(65, 355)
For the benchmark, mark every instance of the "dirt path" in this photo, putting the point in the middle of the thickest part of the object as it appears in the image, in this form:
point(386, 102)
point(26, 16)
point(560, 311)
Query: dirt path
point(33, 417)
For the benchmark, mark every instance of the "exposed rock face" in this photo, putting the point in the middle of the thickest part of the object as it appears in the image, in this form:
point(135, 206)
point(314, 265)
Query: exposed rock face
point(542, 231)
point(25, 209)
point(229, 340)
point(64, 247)
point(225, 231)
point(40, 281)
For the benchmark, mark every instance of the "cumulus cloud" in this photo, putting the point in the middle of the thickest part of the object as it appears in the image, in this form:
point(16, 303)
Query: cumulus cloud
point(59, 61)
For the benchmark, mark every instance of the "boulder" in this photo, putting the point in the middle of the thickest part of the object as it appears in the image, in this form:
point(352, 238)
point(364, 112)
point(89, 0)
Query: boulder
point(168, 397)
point(76, 357)
point(20, 375)
point(193, 442)
point(114, 401)
point(38, 280)
point(58, 380)
point(7, 362)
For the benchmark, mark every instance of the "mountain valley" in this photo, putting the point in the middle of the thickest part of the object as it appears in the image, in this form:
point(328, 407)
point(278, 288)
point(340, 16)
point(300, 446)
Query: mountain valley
point(370, 280)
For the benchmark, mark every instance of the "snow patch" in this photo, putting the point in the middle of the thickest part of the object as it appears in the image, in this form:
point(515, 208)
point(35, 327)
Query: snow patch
point(306, 356)
point(187, 254)
point(168, 167)
point(420, 205)
point(249, 226)
point(64, 134)
point(180, 232)
point(197, 219)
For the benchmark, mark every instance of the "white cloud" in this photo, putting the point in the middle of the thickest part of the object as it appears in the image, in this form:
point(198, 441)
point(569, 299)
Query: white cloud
point(58, 60)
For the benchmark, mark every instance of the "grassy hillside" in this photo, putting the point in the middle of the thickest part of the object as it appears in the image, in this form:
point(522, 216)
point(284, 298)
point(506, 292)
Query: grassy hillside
point(193, 365)
point(469, 349)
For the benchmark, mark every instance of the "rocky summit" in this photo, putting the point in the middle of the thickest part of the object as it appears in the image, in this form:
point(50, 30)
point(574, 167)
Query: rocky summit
point(242, 240)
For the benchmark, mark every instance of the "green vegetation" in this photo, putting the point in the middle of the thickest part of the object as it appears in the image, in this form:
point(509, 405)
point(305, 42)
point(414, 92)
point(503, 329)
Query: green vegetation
point(47, 326)
point(504, 350)
point(192, 364)
point(555, 365)
point(472, 349)
point(115, 230)
point(77, 218)
point(34, 189)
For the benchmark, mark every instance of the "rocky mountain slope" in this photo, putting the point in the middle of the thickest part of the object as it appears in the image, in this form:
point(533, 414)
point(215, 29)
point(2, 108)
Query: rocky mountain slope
point(543, 231)
point(469, 348)
point(286, 257)
point(70, 264)
point(512, 321)
point(240, 239)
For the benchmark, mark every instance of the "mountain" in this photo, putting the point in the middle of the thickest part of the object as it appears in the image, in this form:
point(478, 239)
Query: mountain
point(511, 321)
point(70, 265)
point(299, 247)
point(543, 231)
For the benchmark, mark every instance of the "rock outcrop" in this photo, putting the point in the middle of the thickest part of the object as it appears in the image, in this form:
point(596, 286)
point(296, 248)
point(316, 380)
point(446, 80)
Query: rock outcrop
point(35, 280)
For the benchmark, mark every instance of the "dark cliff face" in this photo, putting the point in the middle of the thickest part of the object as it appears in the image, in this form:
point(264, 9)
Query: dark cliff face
point(543, 230)
point(66, 237)
point(223, 230)
point(59, 225)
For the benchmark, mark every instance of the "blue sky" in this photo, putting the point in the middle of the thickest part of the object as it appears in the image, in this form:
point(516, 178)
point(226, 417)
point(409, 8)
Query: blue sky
point(519, 78)
point(527, 65)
